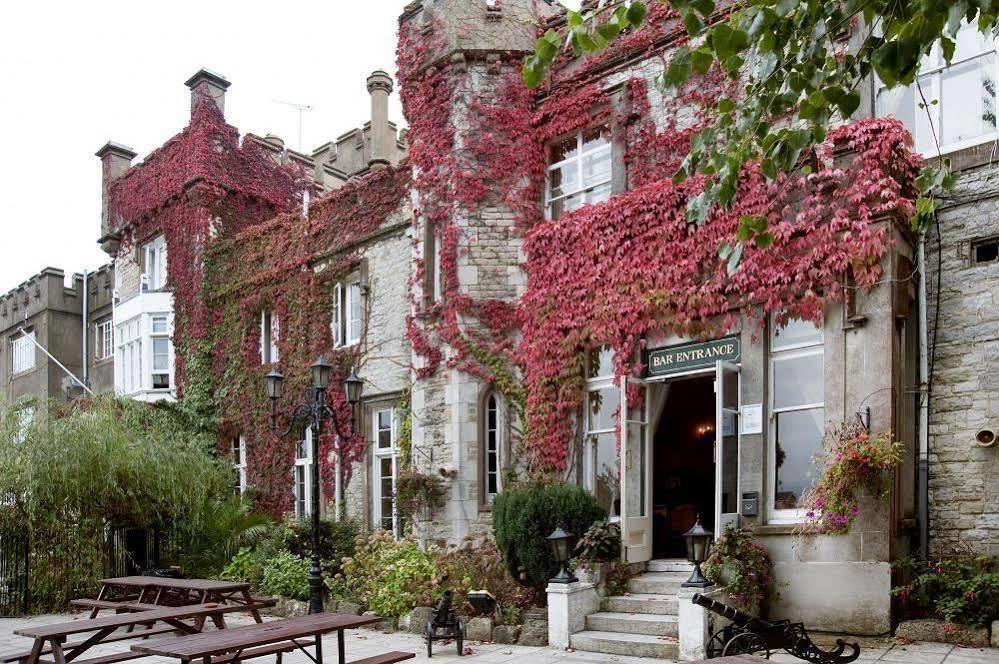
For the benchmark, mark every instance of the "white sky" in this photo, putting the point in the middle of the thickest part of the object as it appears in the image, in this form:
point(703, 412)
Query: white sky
point(76, 74)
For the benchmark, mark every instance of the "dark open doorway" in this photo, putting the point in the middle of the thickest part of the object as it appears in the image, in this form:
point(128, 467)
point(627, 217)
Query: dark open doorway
point(683, 475)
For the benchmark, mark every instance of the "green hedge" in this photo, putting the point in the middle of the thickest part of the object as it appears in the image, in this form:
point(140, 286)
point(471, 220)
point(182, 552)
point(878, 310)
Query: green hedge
point(525, 515)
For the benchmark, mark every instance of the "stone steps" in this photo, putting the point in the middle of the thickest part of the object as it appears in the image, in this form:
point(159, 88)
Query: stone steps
point(632, 623)
point(657, 583)
point(660, 605)
point(670, 565)
point(615, 643)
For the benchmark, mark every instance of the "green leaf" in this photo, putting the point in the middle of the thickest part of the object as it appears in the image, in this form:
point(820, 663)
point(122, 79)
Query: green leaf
point(545, 49)
point(636, 13)
point(702, 57)
point(848, 103)
point(727, 41)
point(532, 71)
point(764, 240)
point(608, 30)
point(691, 21)
point(735, 259)
point(725, 105)
point(679, 67)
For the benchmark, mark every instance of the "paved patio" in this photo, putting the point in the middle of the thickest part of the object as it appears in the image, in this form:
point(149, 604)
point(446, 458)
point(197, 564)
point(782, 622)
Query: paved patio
point(365, 642)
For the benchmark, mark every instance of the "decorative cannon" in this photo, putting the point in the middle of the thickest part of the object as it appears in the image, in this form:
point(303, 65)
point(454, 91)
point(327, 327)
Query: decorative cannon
point(749, 635)
point(444, 624)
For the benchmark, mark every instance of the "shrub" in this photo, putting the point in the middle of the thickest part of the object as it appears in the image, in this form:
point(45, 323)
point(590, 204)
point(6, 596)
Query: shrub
point(963, 589)
point(477, 564)
point(336, 541)
point(525, 515)
point(247, 565)
point(387, 576)
point(287, 575)
point(601, 543)
point(742, 566)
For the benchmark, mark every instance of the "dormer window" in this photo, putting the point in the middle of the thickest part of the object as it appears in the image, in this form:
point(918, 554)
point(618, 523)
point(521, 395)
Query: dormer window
point(579, 172)
point(154, 264)
point(270, 330)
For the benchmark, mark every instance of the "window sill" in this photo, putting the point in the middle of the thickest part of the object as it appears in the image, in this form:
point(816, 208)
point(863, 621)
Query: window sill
point(775, 529)
point(22, 372)
point(972, 156)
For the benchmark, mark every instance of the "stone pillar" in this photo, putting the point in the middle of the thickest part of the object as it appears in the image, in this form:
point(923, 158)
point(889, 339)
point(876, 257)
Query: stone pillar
point(382, 135)
point(568, 606)
point(693, 623)
point(206, 83)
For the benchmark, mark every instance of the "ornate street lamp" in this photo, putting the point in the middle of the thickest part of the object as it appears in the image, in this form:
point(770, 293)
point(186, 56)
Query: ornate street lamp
point(698, 540)
point(560, 546)
point(315, 411)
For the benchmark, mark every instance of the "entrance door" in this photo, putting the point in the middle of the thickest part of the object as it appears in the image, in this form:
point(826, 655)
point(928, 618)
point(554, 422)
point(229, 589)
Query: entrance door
point(636, 472)
point(727, 400)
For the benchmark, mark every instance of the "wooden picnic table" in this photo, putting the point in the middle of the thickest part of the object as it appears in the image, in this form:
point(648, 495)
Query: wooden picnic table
point(154, 590)
point(52, 638)
point(271, 638)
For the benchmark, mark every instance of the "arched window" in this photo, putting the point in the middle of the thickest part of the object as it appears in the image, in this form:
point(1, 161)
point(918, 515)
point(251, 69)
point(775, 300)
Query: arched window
point(492, 448)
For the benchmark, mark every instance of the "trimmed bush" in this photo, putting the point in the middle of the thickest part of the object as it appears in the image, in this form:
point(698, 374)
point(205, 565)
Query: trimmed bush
point(525, 515)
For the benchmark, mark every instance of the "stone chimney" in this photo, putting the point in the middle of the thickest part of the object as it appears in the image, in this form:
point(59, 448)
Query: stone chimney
point(207, 83)
point(115, 160)
point(382, 135)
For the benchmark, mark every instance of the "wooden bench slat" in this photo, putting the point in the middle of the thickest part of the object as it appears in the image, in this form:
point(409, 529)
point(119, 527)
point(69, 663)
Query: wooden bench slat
point(103, 659)
point(273, 649)
point(385, 658)
point(124, 636)
point(127, 619)
point(112, 604)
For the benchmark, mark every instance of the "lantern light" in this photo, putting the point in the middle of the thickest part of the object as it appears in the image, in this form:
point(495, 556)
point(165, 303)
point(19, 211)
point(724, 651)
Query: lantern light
point(560, 546)
point(275, 385)
point(321, 372)
point(698, 541)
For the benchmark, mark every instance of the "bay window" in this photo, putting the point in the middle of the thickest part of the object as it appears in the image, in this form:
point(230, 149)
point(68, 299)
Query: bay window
point(958, 101)
point(601, 468)
point(144, 354)
point(346, 326)
point(579, 171)
point(385, 471)
point(797, 389)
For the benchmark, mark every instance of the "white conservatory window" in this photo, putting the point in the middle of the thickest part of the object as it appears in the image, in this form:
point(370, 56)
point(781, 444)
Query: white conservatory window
point(960, 98)
point(601, 467)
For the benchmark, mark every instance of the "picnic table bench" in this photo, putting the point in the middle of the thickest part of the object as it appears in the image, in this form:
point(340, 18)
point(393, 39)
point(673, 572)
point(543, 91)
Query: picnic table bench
point(131, 593)
point(51, 639)
point(231, 646)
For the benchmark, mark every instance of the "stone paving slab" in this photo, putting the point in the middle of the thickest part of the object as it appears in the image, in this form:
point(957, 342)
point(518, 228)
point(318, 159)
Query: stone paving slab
point(367, 642)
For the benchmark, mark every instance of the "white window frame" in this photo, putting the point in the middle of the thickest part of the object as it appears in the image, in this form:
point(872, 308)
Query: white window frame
point(154, 336)
point(493, 447)
point(791, 351)
point(270, 332)
point(346, 329)
point(934, 67)
point(128, 340)
point(25, 415)
point(155, 263)
point(590, 436)
point(583, 188)
point(22, 352)
point(379, 454)
point(104, 340)
point(303, 466)
point(238, 453)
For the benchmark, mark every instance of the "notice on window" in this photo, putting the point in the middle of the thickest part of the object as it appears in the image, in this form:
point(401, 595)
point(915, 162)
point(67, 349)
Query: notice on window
point(752, 418)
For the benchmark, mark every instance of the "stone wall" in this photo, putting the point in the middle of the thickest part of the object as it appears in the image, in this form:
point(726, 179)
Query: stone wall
point(964, 478)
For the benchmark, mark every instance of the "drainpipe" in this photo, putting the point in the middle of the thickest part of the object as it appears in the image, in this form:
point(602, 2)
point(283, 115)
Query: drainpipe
point(86, 332)
point(923, 465)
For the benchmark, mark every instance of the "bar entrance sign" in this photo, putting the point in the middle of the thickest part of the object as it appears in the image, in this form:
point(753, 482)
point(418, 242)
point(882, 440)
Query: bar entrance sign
point(687, 357)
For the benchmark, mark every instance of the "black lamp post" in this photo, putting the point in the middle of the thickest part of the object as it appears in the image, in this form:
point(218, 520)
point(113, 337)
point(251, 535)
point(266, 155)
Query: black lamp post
point(698, 540)
point(560, 545)
point(315, 411)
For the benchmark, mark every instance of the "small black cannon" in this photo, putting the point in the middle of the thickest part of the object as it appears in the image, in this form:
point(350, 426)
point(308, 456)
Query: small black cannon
point(444, 624)
point(748, 634)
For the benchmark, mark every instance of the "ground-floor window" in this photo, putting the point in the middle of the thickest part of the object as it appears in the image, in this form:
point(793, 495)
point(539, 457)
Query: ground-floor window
point(385, 471)
point(491, 448)
point(302, 476)
point(238, 455)
point(601, 469)
point(797, 401)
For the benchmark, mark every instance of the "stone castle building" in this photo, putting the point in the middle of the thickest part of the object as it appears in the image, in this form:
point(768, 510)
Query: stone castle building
point(410, 257)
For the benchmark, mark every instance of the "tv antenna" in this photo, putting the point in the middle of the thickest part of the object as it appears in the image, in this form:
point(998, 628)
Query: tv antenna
point(301, 108)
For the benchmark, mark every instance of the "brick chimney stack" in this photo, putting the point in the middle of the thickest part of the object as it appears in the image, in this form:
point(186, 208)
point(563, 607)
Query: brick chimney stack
point(206, 83)
point(115, 160)
point(382, 135)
